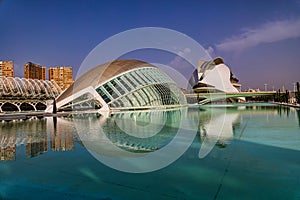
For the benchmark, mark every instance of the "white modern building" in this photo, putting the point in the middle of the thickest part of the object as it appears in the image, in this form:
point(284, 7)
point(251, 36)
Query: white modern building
point(20, 88)
point(214, 76)
point(121, 85)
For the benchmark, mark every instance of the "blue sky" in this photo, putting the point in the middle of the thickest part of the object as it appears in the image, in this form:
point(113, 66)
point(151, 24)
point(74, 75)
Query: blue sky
point(259, 40)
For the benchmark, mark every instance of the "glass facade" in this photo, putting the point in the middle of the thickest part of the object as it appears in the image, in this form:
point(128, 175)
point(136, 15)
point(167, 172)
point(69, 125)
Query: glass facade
point(142, 87)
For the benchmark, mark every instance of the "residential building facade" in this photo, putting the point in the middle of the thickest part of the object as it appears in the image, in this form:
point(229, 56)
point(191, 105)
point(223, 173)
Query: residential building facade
point(34, 71)
point(7, 68)
point(63, 76)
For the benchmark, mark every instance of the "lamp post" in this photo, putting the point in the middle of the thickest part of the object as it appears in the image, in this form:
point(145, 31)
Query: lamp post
point(266, 87)
point(298, 92)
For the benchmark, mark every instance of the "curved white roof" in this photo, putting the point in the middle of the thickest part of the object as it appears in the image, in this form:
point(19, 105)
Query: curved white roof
point(28, 88)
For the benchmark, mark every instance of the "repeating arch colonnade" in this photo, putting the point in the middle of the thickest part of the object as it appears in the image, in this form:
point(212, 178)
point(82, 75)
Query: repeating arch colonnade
point(20, 94)
point(28, 88)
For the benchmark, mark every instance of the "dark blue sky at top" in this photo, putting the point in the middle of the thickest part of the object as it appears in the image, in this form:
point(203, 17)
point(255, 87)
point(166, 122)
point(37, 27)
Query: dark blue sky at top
point(53, 33)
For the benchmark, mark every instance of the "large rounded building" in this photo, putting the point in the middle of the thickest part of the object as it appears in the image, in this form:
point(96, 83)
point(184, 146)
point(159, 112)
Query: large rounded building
point(121, 85)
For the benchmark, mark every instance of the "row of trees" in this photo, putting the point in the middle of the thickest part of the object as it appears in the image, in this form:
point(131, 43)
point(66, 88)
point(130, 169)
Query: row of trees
point(284, 96)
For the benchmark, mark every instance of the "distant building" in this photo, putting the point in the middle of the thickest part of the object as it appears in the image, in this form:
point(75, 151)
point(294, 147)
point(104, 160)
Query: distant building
point(63, 76)
point(235, 82)
point(7, 68)
point(213, 76)
point(34, 71)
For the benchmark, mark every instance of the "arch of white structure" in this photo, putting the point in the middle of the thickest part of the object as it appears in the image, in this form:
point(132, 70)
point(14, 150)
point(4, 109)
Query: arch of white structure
point(22, 105)
point(28, 88)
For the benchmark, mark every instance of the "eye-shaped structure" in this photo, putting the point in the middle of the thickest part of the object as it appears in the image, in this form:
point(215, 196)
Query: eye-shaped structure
point(121, 85)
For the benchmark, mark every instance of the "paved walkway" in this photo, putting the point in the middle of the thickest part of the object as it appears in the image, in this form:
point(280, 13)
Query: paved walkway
point(24, 116)
point(287, 104)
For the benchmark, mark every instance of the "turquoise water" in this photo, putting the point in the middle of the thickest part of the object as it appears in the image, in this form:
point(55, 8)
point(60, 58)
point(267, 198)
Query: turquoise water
point(234, 152)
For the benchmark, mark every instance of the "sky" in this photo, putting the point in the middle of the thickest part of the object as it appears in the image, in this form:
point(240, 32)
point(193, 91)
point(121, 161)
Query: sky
point(258, 40)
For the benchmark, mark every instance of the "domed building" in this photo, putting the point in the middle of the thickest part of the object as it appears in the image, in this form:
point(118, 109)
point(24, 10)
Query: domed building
point(121, 85)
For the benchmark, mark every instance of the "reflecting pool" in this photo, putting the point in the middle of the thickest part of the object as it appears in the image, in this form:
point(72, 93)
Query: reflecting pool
point(245, 151)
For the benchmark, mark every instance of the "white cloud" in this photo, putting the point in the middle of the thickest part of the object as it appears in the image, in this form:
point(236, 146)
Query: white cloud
point(187, 50)
point(266, 33)
point(184, 52)
point(179, 58)
point(210, 50)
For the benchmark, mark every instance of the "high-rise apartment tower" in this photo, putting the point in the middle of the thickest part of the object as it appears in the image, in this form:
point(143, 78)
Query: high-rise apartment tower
point(34, 71)
point(7, 68)
point(63, 76)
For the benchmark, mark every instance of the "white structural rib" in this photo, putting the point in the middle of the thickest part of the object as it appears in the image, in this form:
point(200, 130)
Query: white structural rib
point(88, 90)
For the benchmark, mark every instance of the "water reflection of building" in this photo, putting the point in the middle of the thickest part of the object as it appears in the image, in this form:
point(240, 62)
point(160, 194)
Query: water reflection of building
point(8, 153)
point(36, 143)
point(61, 135)
point(129, 134)
point(36, 148)
point(61, 141)
point(32, 134)
point(221, 118)
point(144, 130)
point(298, 115)
point(8, 144)
point(247, 124)
point(215, 127)
point(287, 111)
